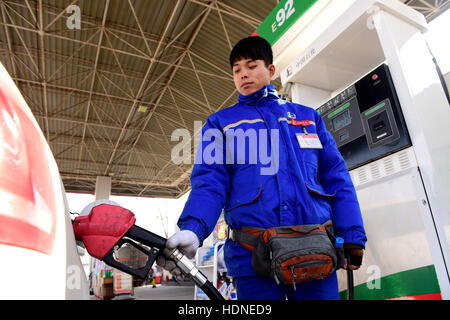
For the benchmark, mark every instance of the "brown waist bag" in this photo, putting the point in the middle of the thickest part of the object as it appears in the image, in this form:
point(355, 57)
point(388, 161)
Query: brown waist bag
point(292, 254)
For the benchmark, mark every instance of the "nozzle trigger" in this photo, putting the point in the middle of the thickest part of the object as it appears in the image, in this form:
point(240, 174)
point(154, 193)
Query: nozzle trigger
point(140, 273)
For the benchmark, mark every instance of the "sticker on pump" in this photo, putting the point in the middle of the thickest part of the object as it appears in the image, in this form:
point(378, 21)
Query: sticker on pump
point(27, 206)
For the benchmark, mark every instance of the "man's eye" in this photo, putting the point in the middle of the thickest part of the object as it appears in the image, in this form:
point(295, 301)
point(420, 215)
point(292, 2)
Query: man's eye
point(236, 71)
point(251, 67)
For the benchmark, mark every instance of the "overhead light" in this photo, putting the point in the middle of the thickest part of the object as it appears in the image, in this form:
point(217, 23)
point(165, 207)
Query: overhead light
point(142, 109)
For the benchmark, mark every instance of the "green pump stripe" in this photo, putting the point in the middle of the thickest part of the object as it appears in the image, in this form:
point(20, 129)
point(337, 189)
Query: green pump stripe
point(407, 283)
point(381, 105)
point(345, 106)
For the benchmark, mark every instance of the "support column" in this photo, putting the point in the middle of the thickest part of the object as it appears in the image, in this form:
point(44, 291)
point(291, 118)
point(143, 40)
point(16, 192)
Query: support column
point(102, 188)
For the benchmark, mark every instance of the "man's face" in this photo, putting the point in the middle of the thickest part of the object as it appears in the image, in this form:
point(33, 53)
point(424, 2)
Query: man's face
point(251, 75)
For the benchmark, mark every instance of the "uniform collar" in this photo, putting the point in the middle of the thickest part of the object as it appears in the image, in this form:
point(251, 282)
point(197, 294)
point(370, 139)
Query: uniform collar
point(266, 93)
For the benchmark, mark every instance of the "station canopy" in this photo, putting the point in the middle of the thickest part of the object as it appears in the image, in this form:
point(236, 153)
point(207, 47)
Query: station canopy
point(110, 81)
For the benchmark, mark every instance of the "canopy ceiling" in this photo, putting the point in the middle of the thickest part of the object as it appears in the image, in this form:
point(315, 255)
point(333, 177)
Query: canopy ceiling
point(108, 93)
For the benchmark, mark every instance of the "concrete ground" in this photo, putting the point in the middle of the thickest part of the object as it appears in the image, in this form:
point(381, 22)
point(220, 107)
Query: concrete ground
point(161, 292)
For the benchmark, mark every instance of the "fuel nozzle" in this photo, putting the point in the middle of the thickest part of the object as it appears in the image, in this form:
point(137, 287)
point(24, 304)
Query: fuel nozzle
point(186, 266)
point(107, 227)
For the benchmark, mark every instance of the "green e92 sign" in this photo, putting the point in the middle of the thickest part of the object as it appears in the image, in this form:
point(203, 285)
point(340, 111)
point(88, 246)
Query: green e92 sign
point(280, 19)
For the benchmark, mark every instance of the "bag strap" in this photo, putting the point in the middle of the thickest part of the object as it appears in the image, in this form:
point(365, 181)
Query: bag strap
point(248, 237)
point(330, 230)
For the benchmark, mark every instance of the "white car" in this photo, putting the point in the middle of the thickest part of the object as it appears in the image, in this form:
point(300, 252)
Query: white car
point(38, 253)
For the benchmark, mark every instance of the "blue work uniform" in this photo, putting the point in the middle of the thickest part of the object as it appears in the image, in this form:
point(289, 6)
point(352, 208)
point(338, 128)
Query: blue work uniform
point(251, 164)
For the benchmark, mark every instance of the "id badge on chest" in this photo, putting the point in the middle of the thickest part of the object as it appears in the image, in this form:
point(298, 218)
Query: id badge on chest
point(309, 141)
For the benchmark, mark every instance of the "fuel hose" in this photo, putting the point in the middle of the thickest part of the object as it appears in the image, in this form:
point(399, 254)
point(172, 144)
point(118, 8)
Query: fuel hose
point(191, 271)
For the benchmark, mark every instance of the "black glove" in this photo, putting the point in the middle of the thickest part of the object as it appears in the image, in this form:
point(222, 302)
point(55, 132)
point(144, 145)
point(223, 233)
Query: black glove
point(353, 256)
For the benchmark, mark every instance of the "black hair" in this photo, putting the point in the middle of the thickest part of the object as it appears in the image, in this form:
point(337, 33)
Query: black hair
point(254, 48)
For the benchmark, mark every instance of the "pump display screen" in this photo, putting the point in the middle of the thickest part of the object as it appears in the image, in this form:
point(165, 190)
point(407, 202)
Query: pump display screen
point(341, 120)
point(366, 119)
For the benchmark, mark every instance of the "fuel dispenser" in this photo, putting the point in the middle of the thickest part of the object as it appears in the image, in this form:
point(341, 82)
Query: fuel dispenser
point(366, 68)
point(366, 120)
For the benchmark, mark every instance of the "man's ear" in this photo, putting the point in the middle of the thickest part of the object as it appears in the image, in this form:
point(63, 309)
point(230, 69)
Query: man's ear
point(271, 68)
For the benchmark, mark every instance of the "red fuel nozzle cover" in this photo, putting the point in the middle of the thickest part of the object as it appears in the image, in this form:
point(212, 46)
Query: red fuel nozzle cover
point(104, 226)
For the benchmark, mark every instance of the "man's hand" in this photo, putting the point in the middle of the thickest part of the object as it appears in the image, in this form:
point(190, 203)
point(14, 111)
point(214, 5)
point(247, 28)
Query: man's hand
point(187, 242)
point(355, 252)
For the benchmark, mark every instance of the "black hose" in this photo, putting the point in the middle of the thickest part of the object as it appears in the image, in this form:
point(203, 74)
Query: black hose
point(350, 285)
point(211, 291)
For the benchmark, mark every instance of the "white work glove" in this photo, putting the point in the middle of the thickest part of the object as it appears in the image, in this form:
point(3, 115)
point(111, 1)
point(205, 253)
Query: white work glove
point(187, 242)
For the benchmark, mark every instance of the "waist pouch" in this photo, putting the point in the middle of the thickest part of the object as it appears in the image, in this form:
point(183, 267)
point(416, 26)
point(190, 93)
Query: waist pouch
point(293, 254)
